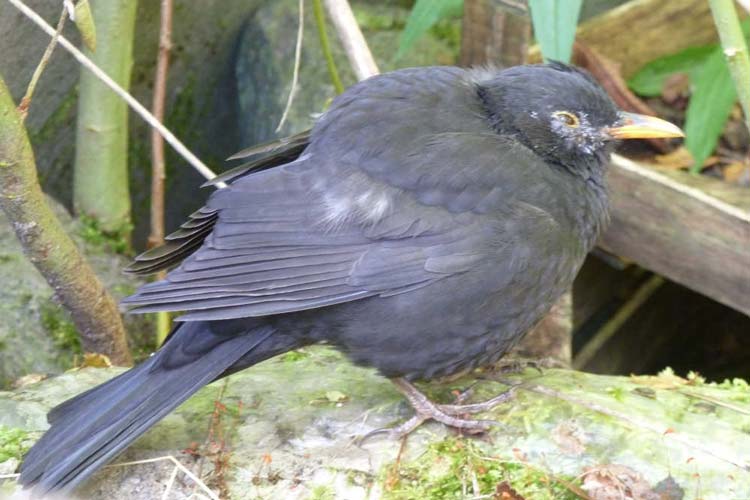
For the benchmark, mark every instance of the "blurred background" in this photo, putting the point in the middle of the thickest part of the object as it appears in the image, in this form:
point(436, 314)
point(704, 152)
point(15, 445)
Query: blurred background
point(668, 287)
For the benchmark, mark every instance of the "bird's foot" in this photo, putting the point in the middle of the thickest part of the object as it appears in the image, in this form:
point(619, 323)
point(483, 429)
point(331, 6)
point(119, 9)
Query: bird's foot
point(448, 414)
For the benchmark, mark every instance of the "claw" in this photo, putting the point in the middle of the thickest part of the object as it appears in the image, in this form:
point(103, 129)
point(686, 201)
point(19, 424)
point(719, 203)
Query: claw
point(448, 414)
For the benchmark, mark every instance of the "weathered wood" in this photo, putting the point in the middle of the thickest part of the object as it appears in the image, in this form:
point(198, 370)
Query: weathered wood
point(692, 229)
point(495, 31)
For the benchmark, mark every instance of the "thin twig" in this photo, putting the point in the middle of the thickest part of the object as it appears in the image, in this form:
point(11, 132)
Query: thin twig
point(351, 37)
point(132, 102)
point(158, 170)
point(297, 58)
point(321, 24)
point(23, 108)
point(177, 464)
point(170, 483)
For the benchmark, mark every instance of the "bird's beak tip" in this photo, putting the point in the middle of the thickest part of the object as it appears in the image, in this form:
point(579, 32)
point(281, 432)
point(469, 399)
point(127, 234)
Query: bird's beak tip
point(635, 126)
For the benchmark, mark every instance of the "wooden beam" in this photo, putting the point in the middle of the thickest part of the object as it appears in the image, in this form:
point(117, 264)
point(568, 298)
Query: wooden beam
point(694, 230)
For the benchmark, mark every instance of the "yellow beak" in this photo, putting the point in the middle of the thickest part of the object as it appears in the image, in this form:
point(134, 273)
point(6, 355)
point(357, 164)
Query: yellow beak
point(634, 126)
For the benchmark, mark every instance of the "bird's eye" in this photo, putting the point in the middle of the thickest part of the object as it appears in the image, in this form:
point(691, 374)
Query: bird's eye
point(568, 119)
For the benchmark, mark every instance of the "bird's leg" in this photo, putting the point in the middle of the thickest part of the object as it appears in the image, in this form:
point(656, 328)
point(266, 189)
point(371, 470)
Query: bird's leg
point(447, 414)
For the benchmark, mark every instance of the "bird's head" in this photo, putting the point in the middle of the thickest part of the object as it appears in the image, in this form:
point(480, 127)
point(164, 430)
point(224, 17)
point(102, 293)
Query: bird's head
point(563, 114)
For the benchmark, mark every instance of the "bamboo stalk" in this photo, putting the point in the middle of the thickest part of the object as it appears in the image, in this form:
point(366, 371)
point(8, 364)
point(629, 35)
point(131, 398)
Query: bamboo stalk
point(100, 178)
point(735, 50)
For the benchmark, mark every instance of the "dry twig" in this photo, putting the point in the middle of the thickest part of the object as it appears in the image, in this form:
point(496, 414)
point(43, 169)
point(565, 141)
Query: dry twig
point(158, 170)
point(297, 58)
point(23, 107)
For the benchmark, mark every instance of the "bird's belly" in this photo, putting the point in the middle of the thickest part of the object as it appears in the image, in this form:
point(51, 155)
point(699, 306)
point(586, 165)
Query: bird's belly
point(442, 329)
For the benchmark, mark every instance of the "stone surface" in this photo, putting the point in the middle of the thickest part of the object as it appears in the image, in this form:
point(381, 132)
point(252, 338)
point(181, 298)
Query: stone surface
point(289, 428)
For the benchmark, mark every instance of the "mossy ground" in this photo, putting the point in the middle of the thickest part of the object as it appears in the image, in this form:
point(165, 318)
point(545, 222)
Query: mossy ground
point(14, 443)
point(458, 468)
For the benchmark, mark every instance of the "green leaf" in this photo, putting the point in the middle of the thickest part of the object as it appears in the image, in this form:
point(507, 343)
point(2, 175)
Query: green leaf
point(555, 26)
point(710, 104)
point(422, 17)
point(85, 23)
point(649, 81)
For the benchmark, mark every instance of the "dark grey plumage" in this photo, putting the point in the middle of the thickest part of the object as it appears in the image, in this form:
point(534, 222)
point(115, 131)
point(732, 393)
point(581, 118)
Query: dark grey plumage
point(432, 217)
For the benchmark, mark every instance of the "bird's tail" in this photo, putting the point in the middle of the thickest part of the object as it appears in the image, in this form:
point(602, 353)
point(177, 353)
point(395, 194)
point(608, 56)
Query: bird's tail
point(90, 429)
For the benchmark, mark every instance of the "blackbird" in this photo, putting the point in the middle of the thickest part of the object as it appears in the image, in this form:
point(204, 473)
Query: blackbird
point(429, 219)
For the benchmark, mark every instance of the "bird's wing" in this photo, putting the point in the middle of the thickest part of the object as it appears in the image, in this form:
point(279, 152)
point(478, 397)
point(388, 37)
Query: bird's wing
point(367, 207)
point(272, 247)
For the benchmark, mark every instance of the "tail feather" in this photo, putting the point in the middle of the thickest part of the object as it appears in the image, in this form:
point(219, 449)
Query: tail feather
point(90, 429)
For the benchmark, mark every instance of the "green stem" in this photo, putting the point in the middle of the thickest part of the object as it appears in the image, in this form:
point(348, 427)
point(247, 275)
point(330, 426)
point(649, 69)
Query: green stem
point(735, 50)
point(101, 164)
point(321, 24)
point(163, 327)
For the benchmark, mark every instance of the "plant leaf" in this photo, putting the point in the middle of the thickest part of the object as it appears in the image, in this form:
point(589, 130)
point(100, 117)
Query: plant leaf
point(422, 17)
point(649, 81)
point(85, 23)
point(708, 110)
point(555, 26)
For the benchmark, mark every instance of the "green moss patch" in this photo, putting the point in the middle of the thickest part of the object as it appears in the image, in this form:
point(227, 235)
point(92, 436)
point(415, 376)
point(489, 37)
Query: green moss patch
point(56, 322)
point(14, 443)
point(459, 468)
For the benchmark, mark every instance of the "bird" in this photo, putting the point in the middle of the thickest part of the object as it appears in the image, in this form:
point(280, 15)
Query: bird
point(429, 218)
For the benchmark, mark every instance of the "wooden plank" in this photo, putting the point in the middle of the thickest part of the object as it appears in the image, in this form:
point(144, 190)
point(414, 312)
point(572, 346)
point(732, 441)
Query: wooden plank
point(694, 230)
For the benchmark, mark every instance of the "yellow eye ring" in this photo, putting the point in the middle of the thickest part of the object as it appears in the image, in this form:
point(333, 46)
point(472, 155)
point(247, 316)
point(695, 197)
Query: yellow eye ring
point(568, 119)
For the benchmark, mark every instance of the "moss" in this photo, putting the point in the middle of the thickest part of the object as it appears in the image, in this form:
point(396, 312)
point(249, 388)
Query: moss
point(61, 329)
point(116, 241)
point(293, 356)
point(6, 258)
point(448, 31)
point(14, 443)
point(455, 468)
point(123, 289)
point(617, 392)
point(60, 118)
point(322, 493)
point(370, 20)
